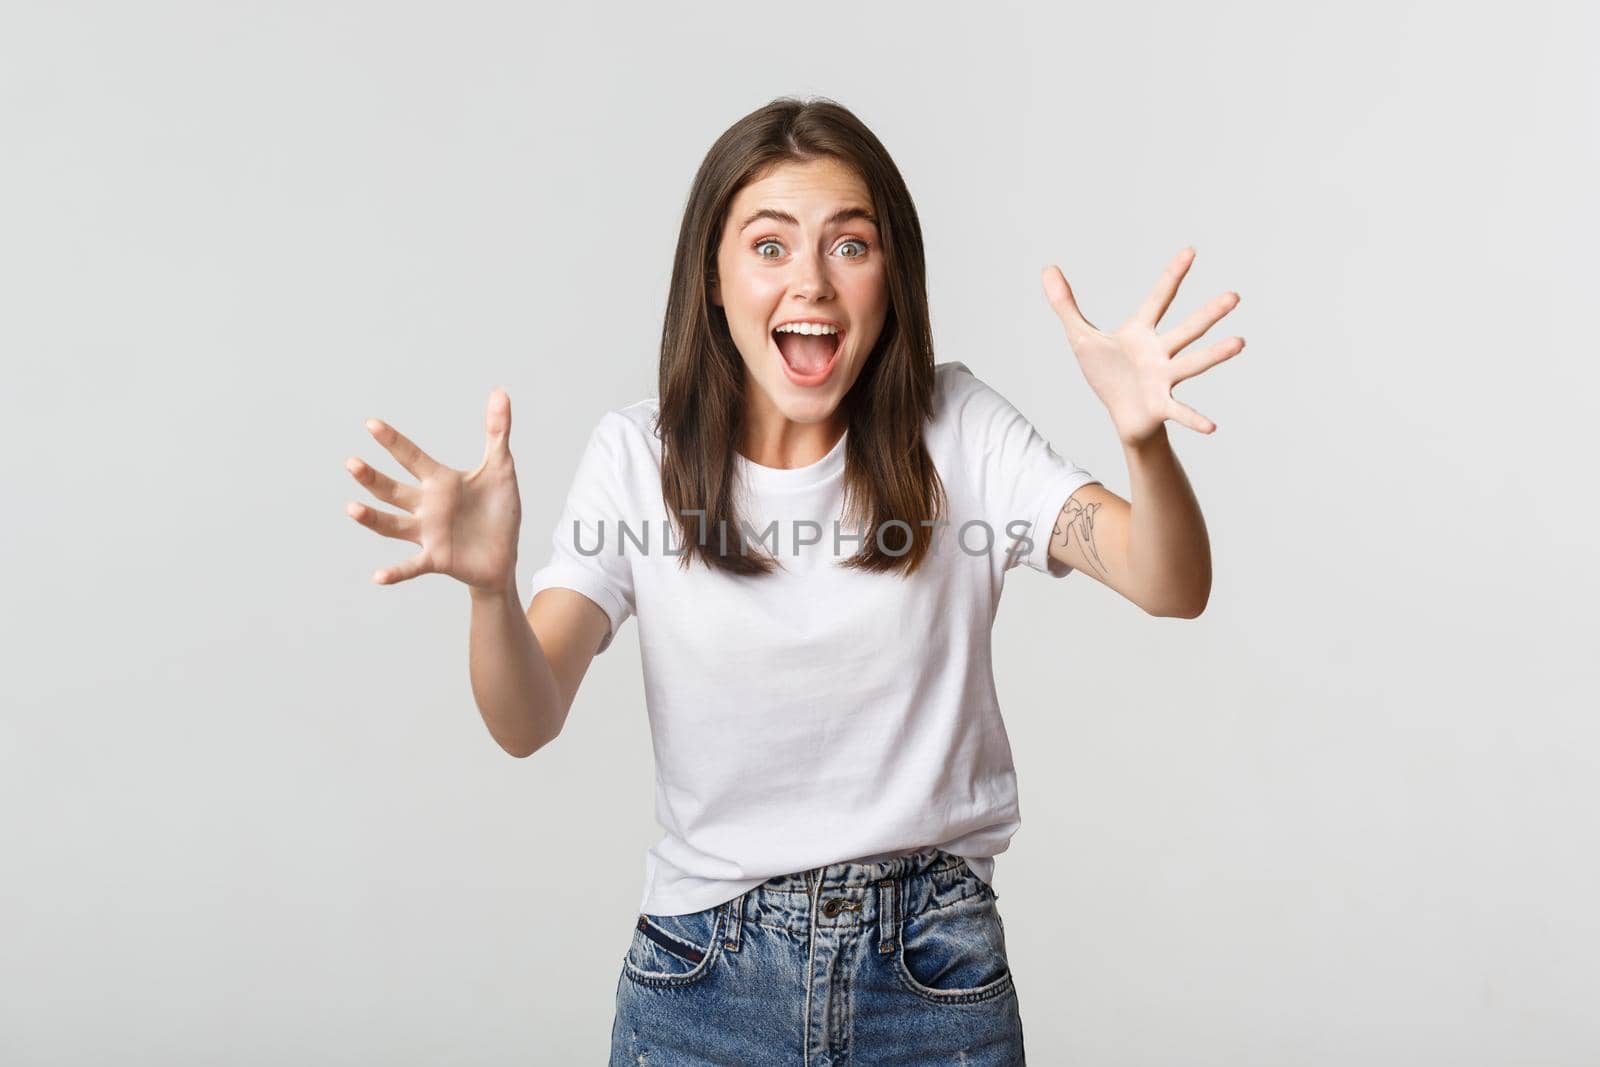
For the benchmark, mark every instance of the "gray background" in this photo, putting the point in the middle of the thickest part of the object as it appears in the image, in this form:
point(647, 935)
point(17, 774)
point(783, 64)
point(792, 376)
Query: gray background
point(250, 814)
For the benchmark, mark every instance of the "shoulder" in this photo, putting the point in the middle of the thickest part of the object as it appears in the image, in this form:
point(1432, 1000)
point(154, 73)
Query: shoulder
point(956, 384)
point(630, 429)
point(951, 381)
point(953, 376)
point(964, 403)
point(621, 458)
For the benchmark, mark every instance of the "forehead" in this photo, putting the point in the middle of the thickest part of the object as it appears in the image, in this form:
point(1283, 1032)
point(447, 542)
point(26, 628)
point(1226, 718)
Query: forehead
point(810, 191)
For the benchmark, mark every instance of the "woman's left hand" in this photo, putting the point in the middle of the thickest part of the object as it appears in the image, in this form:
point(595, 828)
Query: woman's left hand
point(1132, 369)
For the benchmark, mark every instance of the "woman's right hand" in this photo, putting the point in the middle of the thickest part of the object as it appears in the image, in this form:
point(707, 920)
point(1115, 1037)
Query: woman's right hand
point(465, 522)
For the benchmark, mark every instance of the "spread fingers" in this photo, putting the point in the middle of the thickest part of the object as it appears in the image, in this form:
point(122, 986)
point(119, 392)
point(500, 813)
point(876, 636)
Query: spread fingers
point(382, 486)
point(387, 523)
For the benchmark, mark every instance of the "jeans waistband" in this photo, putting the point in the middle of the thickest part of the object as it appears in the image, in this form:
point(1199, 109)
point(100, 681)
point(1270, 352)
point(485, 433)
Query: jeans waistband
point(846, 898)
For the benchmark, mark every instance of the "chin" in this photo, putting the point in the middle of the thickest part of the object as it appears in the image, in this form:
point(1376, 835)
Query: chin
point(798, 405)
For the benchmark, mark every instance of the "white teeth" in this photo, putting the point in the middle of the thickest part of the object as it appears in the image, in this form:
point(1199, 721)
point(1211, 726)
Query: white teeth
point(806, 327)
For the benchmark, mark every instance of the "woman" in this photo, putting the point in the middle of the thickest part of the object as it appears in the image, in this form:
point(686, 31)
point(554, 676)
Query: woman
point(812, 521)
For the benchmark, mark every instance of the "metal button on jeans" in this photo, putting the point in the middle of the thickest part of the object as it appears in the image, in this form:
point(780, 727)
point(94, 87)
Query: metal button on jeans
point(837, 904)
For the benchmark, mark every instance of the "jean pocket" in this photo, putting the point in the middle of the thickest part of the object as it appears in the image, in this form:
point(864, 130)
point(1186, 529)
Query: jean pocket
point(674, 950)
point(955, 953)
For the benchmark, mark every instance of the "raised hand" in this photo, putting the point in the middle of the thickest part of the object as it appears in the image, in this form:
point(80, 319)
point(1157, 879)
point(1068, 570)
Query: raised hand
point(465, 522)
point(1132, 369)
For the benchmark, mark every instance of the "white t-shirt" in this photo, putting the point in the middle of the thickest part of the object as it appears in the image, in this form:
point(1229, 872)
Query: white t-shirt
point(817, 715)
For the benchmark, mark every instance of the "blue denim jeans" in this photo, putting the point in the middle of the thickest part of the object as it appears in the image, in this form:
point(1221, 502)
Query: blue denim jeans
point(901, 962)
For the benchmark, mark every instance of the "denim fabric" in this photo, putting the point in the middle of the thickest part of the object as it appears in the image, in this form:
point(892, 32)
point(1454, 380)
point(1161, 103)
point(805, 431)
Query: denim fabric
point(901, 962)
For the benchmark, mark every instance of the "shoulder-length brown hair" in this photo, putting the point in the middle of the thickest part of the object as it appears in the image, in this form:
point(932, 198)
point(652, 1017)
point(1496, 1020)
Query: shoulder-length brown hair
point(892, 492)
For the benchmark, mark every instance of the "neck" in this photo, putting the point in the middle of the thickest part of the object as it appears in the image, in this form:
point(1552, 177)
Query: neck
point(774, 440)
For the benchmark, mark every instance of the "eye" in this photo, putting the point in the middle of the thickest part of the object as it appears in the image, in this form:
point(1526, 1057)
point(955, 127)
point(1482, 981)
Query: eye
point(759, 245)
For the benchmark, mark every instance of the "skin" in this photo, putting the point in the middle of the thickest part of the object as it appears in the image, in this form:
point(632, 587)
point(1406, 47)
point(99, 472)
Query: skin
point(769, 271)
point(525, 666)
point(1153, 549)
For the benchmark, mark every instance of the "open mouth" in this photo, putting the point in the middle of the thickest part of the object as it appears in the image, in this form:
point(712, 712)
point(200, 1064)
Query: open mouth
point(808, 358)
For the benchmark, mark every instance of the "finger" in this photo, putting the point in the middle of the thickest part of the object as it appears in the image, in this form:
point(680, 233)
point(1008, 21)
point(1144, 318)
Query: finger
point(1155, 305)
point(497, 424)
point(1199, 322)
point(1059, 293)
point(382, 486)
point(399, 572)
point(404, 527)
point(1187, 366)
point(412, 458)
point(1178, 411)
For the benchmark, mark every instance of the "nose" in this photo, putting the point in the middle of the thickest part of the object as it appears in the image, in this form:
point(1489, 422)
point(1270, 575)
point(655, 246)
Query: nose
point(811, 276)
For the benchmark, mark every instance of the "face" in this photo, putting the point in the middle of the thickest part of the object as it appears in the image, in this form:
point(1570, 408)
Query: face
point(801, 243)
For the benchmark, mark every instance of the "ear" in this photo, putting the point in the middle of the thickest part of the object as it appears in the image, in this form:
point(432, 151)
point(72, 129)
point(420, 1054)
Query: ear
point(716, 291)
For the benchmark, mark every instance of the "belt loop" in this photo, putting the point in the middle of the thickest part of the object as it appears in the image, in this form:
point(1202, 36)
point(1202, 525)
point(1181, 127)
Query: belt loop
point(888, 914)
point(735, 914)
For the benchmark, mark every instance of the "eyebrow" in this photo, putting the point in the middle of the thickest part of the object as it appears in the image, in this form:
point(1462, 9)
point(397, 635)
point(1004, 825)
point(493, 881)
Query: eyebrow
point(783, 216)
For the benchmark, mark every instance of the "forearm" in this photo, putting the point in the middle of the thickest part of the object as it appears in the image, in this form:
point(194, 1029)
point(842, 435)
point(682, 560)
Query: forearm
point(1169, 554)
point(512, 682)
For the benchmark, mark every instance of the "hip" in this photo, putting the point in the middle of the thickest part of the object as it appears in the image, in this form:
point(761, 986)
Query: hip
point(902, 961)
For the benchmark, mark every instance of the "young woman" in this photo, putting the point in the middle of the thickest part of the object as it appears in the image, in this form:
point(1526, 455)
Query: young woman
point(812, 521)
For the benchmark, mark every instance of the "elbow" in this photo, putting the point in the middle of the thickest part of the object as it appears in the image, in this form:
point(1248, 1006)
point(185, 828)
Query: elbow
point(1166, 612)
point(1190, 602)
point(528, 733)
point(523, 748)
point(521, 751)
point(1188, 608)
point(1196, 607)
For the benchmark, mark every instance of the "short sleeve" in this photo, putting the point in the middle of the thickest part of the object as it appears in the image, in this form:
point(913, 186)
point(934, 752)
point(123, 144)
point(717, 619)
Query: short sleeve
point(1023, 481)
point(586, 551)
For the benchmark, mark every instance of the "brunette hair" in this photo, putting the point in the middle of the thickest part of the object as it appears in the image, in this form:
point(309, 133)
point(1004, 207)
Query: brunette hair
point(888, 472)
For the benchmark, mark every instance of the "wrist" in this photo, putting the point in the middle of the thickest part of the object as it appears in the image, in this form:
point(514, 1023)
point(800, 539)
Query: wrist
point(1156, 438)
point(503, 591)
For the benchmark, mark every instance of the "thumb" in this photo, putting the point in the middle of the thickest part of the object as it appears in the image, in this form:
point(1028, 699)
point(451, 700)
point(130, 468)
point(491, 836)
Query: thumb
point(1059, 293)
point(497, 423)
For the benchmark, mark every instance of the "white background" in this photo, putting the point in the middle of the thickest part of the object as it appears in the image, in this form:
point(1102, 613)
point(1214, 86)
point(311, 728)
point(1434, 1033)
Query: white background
point(248, 811)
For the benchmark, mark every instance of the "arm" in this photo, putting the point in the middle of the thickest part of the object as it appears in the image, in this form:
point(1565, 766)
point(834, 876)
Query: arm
point(1154, 551)
point(526, 668)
